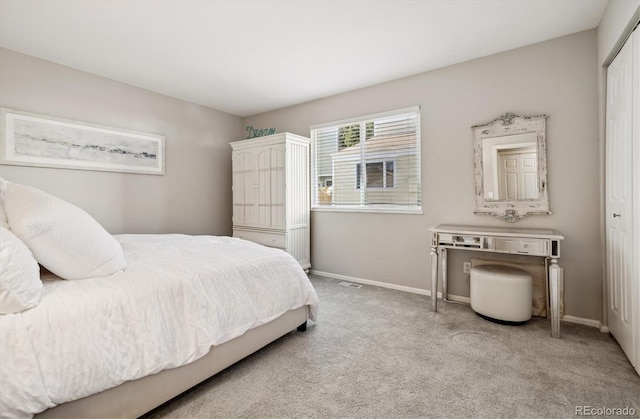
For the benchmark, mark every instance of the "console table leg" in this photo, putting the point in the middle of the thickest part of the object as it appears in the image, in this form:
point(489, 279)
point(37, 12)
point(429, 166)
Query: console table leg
point(555, 282)
point(445, 273)
point(434, 279)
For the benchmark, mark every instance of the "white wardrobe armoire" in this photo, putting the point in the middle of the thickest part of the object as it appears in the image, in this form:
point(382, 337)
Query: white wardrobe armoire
point(271, 193)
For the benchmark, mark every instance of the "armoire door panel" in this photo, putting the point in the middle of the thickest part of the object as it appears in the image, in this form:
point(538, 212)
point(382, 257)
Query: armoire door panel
point(263, 187)
point(264, 176)
point(277, 186)
point(239, 165)
point(238, 197)
point(278, 182)
point(264, 216)
point(278, 216)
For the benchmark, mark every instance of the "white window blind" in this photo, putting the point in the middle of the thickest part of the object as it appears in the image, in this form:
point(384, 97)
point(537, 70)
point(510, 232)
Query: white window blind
point(368, 163)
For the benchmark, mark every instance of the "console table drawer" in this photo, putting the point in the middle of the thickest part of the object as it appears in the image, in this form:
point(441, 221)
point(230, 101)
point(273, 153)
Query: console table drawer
point(264, 238)
point(522, 246)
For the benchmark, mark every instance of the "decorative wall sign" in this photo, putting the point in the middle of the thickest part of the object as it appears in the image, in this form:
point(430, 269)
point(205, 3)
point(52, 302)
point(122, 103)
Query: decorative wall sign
point(254, 132)
point(28, 139)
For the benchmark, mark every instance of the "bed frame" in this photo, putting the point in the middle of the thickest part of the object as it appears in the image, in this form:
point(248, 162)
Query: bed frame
point(135, 398)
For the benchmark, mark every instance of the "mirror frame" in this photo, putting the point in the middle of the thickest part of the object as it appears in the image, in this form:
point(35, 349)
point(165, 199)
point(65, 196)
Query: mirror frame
point(512, 124)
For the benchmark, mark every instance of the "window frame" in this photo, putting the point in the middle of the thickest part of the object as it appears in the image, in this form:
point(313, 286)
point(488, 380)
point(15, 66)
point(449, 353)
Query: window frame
point(384, 172)
point(364, 207)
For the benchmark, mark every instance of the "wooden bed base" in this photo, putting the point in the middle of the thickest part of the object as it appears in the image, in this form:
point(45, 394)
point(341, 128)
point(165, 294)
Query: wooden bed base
point(134, 398)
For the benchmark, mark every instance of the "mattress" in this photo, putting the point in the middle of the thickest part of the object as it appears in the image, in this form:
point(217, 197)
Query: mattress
point(179, 296)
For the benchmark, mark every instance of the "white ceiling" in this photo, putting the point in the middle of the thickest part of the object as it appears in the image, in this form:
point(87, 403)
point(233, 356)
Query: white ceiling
point(246, 57)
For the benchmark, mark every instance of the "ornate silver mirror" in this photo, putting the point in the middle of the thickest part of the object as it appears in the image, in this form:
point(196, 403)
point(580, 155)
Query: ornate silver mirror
point(511, 167)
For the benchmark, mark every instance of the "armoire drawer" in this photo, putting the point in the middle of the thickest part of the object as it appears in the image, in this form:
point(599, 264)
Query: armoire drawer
point(264, 238)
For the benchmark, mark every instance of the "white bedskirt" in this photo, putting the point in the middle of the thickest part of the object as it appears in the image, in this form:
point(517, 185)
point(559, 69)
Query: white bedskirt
point(179, 296)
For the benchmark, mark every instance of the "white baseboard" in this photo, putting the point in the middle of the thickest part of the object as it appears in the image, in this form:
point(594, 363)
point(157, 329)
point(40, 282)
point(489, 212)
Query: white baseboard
point(583, 321)
point(370, 282)
point(456, 298)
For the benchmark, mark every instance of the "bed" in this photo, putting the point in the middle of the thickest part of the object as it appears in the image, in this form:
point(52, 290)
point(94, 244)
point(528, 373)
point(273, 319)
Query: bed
point(119, 345)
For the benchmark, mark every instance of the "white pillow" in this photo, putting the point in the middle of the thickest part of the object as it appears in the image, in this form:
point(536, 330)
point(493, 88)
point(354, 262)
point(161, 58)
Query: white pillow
point(3, 216)
point(20, 285)
point(63, 238)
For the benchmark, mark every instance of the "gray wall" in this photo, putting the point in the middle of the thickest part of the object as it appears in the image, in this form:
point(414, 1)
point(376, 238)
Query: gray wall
point(194, 196)
point(558, 77)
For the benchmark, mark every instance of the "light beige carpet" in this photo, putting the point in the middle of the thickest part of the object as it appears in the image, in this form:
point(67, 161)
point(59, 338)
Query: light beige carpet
point(379, 353)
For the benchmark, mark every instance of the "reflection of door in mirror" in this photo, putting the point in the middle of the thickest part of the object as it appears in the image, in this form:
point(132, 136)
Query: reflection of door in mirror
point(517, 174)
point(510, 165)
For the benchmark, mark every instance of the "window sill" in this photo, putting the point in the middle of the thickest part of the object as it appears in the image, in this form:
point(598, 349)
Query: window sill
point(369, 209)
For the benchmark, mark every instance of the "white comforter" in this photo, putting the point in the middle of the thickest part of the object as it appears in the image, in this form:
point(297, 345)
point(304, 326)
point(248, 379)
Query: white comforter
point(179, 296)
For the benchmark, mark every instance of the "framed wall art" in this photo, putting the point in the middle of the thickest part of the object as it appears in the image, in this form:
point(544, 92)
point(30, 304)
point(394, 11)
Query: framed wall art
point(28, 139)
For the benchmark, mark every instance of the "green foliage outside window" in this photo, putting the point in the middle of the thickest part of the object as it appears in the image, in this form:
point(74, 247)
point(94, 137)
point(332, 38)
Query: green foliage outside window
point(349, 135)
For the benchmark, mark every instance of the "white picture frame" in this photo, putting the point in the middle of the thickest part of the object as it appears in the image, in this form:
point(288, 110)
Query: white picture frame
point(29, 139)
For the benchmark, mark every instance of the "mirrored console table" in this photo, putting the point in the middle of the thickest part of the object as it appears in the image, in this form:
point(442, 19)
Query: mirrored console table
point(519, 241)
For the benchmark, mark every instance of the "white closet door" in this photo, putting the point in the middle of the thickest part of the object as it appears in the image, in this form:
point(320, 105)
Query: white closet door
point(619, 201)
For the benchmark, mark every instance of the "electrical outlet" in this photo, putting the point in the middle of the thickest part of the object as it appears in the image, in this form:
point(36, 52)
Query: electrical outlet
point(466, 267)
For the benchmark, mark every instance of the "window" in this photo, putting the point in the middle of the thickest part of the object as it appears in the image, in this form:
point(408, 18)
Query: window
point(379, 174)
point(370, 163)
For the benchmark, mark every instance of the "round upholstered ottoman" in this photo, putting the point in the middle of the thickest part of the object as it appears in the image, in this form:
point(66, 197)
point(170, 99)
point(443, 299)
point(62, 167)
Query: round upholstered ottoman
point(501, 293)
